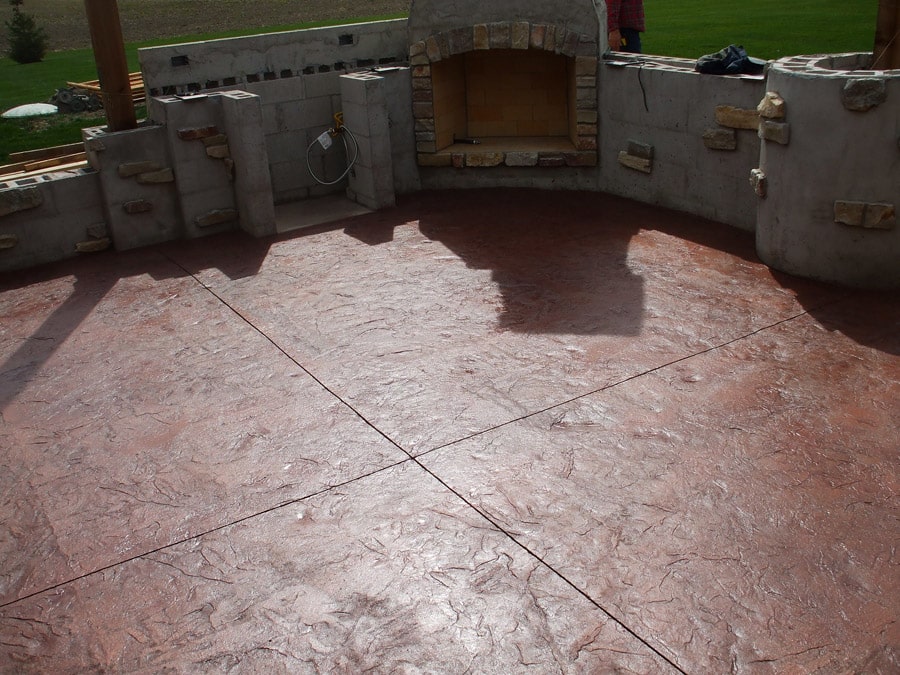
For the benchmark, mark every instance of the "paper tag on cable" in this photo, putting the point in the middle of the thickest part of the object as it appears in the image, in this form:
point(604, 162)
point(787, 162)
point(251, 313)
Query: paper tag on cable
point(324, 140)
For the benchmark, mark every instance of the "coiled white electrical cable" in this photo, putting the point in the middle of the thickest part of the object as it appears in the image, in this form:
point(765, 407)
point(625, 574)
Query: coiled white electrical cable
point(343, 132)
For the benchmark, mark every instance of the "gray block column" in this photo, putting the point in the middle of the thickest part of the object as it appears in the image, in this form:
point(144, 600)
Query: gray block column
point(247, 146)
point(364, 102)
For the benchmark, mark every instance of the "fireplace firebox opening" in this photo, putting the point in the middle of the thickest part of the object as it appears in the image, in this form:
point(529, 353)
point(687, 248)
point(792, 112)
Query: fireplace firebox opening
point(528, 102)
point(496, 96)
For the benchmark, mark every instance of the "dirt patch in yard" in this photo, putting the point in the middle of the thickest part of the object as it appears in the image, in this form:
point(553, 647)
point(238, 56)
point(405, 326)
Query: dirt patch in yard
point(143, 20)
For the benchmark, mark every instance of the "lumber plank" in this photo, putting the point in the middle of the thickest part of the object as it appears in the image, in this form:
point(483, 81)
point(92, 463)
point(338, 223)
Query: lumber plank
point(29, 174)
point(43, 153)
point(55, 161)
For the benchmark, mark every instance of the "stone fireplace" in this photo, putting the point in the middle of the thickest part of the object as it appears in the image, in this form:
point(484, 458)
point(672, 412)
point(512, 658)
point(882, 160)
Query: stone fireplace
point(492, 90)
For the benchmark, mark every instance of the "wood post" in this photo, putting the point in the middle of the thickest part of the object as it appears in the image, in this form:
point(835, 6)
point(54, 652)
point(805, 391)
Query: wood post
point(886, 55)
point(112, 66)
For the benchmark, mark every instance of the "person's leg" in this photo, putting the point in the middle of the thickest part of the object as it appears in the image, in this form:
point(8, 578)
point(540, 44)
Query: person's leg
point(632, 41)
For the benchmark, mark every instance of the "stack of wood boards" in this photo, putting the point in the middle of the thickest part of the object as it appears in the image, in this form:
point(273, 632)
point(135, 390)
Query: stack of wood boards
point(136, 81)
point(35, 162)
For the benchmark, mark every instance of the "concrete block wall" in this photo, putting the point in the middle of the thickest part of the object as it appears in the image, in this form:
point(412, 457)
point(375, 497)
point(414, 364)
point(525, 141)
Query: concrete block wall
point(137, 184)
point(364, 100)
point(246, 163)
point(656, 116)
point(832, 172)
point(235, 62)
point(295, 111)
point(51, 217)
point(296, 75)
point(193, 127)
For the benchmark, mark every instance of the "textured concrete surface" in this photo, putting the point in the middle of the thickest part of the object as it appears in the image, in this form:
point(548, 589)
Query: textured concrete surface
point(492, 431)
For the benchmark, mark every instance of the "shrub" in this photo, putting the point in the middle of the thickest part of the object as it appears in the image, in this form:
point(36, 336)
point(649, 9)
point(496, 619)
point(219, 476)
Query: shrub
point(27, 40)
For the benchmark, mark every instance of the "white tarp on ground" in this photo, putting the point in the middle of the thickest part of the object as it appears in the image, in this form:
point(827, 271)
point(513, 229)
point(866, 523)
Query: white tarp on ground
point(31, 110)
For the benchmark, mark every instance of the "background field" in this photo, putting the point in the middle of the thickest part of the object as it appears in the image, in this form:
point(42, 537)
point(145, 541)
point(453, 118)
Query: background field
point(689, 28)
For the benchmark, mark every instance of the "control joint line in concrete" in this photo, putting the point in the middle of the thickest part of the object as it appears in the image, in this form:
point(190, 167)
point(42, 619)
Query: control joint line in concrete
point(553, 570)
point(292, 359)
point(615, 384)
point(200, 535)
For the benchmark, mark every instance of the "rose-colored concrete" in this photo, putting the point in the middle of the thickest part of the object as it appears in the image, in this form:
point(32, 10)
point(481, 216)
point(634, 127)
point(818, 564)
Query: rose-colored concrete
point(384, 575)
point(392, 316)
point(647, 452)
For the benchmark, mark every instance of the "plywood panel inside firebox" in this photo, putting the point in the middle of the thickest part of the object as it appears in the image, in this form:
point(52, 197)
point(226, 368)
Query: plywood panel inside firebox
point(516, 93)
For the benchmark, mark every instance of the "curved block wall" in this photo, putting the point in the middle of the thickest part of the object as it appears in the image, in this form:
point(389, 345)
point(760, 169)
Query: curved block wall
point(831, 166)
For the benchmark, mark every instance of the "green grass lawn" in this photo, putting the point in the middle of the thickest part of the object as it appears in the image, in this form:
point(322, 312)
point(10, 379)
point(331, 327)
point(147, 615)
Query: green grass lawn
point(690, 28)
point(768, 29)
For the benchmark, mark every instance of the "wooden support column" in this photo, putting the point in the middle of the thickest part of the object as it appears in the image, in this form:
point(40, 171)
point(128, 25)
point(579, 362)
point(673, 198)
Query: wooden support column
point(112, 66)
point(887, 40)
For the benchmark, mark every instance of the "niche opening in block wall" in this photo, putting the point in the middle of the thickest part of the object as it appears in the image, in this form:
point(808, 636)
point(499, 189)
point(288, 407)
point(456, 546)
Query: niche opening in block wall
point(506, 98)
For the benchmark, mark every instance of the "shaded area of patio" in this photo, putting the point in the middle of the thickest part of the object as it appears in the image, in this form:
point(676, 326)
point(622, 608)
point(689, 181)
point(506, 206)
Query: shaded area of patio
point(488, 431)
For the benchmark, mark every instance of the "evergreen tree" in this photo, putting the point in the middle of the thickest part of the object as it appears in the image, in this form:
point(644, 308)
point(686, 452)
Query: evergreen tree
point(27, 40)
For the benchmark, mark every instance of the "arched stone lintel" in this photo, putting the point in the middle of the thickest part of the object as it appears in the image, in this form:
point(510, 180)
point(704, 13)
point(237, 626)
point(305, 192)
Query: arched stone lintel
point(502, 35)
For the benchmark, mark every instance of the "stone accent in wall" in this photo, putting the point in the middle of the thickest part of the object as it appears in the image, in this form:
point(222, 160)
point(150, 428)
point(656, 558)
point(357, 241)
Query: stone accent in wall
point(638, 156)
point(638, 149)
point(93, 245)
point(484, 158)
point(868, 215)
point(718, 138)
point(637, 163)
point(218, 151)
point(216, 217)
point(19, 199)
point(8, 241)
point(772, 106)
point(162, 176)
point(137, 206)
point(218, 139)
point(198, 133)
point(760, 182)
point(129, 169)
point(779, 132)
point(737, 118)
point(862, 94)
point(521, 158)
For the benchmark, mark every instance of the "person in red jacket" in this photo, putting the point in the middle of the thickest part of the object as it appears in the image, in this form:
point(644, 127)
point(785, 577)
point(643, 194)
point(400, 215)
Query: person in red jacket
point(625, 23)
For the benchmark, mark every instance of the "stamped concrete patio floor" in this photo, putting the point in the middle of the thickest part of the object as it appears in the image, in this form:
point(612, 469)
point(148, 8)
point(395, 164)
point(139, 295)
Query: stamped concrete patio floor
point(482, 432)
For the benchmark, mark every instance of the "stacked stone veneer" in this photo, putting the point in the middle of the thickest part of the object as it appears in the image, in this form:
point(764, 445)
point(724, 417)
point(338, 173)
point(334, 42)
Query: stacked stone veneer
point(575, 118)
